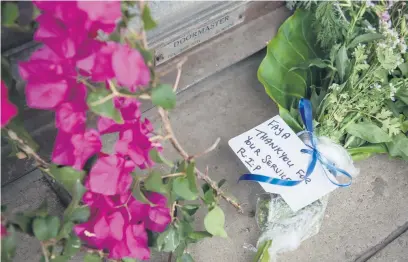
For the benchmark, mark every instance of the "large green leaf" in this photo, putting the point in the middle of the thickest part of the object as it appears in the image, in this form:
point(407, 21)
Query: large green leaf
point(292, 45)
point(214, 222)
point(398, 147)
point(369, 132)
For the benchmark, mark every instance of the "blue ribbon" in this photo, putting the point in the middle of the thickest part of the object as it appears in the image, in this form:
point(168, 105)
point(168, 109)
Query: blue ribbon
point(305, 109)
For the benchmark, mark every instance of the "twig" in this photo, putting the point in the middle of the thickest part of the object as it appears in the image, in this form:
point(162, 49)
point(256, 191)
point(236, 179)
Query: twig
point(45, 252)
point(170, 257)
point(167, 126)
point(28, 150)
point(103, 99)
point(208, 150)
point(174, 175)
point(179, 67)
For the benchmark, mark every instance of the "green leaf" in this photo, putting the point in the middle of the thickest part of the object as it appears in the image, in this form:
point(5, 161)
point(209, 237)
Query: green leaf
point(404, 69)
point(369, 132)
point(41, 211)
point(80, 214)
point(168, 240)
point(293, 44)
point(290, 120)
point(404, 126)
point(10, 13)
point(66, 230)
point(40, 228)
point(214, 222)
point(402, 94)
point(191, 177)
point(128, 259)
point(221, 182)
point(138, 193)
point(365, 38)
point(373, 148)
point(398, 147)
point(164, 96)
point(23, 222)
point(317, 62)
point(190, 209)
point(77, 193)
point(53, 226)
point(154, 182)
point(67, 176)
point(209, 198)
point(148, 21)
point(186, 257)
point(59, 259)
point(262, 254)
point(8, 245)
point(342, 62)
point(106, 109)
point(72, 246)
point(159, 159)
point(181, 187)
point(92, 258)
point(199, 235)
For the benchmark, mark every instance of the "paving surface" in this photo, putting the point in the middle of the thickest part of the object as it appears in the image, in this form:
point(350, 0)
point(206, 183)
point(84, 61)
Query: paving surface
point(225, 105)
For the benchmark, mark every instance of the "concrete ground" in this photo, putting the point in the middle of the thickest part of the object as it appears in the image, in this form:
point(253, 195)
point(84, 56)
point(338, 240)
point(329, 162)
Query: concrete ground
point(225, 105)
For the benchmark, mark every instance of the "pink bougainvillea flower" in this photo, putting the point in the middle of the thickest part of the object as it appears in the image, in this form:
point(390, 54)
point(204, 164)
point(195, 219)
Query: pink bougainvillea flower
point(98, 65)
point(159, 215)
point(3, 230)
point(101, 15)
point(136, 145)
point(129, 67)
point(8, 109)
point(134, 245)
point(109, 177)
point(46, 95)
point(70, 118)
point(75, 149)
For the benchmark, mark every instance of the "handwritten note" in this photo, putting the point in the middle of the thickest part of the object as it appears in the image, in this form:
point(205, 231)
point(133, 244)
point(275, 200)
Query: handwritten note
point(273, 149)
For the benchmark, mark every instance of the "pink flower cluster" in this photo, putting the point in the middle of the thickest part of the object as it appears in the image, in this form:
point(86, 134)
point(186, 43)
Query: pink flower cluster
point(8, 109)
point(68, 30)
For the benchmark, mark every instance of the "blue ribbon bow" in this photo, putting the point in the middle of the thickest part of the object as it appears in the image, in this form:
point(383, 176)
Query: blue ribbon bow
point(305, 109)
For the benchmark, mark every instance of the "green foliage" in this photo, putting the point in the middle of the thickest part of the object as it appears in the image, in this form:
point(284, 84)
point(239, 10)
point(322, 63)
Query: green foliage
point(98, 104)
point(292, 45)
point(72, 246)
point(369, 132)
point(67, 176)
point(8, 245)
point(169, 239)
point(262, 255)
point(46, 228)
point(329, 24)
point(92, 258)
point(154, 182)
point(214, 222)
point(148, 21)
point(164, 96)
point(342, 62)
point(9, 13)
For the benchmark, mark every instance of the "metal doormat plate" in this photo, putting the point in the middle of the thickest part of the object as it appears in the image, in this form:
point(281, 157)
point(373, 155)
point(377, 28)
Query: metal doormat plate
point(200, 33)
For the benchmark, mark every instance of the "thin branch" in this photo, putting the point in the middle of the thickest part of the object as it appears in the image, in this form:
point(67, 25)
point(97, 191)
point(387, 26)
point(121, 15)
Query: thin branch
point(45, 252)
point(103, 99)
point(208, 150)
point(174, 175)
point(167, 126)
point(28, 150)
point(179, 67)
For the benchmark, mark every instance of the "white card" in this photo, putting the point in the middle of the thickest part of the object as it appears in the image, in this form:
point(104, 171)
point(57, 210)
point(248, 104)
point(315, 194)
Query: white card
point(273, 149)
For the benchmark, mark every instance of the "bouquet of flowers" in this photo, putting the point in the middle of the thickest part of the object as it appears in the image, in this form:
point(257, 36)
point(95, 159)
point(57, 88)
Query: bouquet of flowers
point(350, 59)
